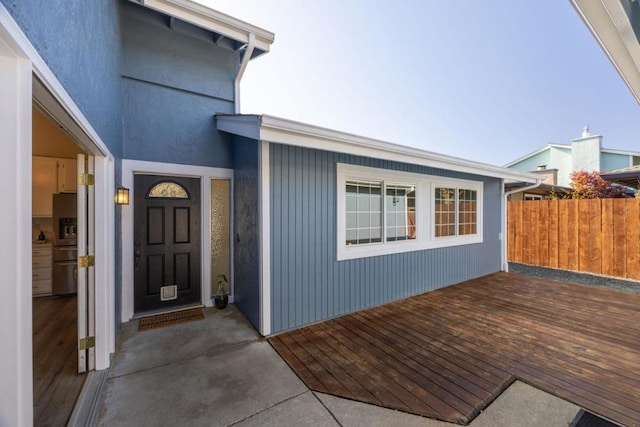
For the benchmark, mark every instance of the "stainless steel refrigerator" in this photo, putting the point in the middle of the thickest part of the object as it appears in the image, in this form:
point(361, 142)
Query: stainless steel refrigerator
point(65, 244)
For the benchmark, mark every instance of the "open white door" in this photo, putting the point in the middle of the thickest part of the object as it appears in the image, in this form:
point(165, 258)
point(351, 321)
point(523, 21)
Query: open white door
point(91, 275)
point(86, 274)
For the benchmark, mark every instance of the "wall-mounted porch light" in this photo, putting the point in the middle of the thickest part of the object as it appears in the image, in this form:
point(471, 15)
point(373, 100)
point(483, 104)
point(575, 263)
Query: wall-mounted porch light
point(122, 196)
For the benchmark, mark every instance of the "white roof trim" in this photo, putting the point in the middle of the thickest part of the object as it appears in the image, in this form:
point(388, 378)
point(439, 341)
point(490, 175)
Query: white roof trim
point(283, 131)
point(534, 153)
point(566, 146)
point(622, 152)
point(212, 20)
point(610, 25)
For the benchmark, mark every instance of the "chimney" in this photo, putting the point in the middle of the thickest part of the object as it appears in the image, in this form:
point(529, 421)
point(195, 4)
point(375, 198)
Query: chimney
point(585, 152)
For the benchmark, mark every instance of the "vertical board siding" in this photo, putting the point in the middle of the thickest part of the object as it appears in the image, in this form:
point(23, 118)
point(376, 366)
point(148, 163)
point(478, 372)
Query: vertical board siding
point(309, 284)
point(599, 236)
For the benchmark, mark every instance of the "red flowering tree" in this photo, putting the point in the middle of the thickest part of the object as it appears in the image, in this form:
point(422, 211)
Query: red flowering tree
point(590, 185)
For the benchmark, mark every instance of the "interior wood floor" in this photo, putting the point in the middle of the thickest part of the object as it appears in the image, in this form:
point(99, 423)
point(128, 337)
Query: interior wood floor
point(56, 382)
point(448, 353)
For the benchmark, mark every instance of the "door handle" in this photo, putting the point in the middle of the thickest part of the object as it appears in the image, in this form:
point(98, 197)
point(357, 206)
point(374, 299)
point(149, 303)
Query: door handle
point(136, 255)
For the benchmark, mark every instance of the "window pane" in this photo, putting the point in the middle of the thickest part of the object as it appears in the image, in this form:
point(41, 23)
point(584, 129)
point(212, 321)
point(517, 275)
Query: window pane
point(167, 190)
point(445, 212)
point(352, 236)
point(467, 212)
point(401, 212)
point(352, 220)
point(352, 202)
point(364, 212)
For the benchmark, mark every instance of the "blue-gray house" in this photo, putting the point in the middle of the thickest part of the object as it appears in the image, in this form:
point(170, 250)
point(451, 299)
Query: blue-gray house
point(308, 223)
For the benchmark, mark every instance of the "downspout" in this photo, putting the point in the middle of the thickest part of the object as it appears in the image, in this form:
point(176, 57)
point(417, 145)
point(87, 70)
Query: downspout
point(243, 66)
point(505, 264)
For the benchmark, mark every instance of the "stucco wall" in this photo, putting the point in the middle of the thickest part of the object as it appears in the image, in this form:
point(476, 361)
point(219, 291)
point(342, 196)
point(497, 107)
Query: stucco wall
point(309, 284)
point(175, 79)
point(531, 163)
point(610, 161)
point(560, 158)
point(585, 154)
point(246, 222)
point(80, 41)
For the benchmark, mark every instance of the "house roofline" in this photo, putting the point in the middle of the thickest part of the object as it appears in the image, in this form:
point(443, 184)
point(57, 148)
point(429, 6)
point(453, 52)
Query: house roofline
point(538, 151)
point(284, 131)
point(546, 147)
point(610, 25)
point(212, 20)
point(623, 152)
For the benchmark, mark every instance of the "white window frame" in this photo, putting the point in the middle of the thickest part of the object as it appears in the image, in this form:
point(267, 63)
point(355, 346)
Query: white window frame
point(530, 196)
point(425, 217)
point(458, 184)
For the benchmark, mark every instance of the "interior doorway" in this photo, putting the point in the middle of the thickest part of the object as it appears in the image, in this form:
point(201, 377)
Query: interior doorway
point(59, 309)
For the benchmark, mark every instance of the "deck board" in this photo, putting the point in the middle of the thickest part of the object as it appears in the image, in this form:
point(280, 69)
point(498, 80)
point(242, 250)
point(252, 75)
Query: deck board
point(448, 353)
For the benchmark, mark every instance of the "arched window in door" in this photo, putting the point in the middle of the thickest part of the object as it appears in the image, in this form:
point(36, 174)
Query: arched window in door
point(168, 190)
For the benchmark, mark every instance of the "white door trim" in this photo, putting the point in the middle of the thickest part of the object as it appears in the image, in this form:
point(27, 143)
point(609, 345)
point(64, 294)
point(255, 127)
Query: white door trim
point(16, 374)
point(265, 240)
point(206, 174)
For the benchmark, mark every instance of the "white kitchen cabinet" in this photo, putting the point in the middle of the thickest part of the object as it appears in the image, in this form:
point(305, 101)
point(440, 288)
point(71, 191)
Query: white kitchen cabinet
point(41, 269)
point(50, 176)
point(67, 176)
point(44, 184)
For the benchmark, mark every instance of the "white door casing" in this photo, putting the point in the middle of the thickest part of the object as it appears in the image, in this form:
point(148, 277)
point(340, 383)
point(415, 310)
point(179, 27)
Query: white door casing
point(16, 376)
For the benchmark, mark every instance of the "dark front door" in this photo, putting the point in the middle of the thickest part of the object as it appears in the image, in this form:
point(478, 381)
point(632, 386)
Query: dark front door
point(166, 242)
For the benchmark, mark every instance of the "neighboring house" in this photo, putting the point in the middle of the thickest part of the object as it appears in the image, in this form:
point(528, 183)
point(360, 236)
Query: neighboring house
point(310, 223)
point(541, 192)
point(629, 177)
point(557, 161)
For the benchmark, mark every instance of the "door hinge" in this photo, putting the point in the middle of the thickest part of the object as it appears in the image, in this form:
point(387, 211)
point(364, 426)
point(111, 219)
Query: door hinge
point(85, 343)
point(86, 261)
point(86, 179)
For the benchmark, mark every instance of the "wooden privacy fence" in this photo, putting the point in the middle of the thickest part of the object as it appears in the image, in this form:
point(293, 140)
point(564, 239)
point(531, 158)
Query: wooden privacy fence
point(599, 236)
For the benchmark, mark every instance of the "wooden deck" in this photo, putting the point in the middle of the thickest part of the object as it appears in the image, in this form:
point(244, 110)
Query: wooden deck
point(447, 354)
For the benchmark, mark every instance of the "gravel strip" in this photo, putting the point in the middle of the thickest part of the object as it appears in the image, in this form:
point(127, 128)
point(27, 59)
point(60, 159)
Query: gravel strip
point(630, 286)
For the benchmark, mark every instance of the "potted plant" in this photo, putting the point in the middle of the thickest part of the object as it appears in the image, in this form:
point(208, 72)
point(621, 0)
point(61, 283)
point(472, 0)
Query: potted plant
point(221, 297)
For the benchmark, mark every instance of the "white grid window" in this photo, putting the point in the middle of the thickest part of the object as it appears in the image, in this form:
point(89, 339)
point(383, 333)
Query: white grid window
point(467, 212)
point(364, 212)
point(456, 212)
point(445, 212)
point(381, 211)
point(400, 209)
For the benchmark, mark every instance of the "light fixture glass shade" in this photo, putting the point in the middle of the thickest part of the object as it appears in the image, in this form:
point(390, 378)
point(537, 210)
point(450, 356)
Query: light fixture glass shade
point(122, 196)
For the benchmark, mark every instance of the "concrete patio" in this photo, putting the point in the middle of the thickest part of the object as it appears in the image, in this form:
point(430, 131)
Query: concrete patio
point(220, 372)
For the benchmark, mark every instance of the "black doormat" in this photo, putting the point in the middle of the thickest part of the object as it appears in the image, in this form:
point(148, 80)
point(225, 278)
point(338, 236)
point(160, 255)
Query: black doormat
point(587, 419)
point(169, 319)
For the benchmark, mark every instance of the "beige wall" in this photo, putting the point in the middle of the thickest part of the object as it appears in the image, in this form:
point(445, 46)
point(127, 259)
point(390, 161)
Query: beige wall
point(51, 141)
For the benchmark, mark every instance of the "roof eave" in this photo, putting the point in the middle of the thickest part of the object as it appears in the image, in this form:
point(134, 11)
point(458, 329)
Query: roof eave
point(283, 131)
point(212, 20)
point(533, 153)
point(610, 25)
